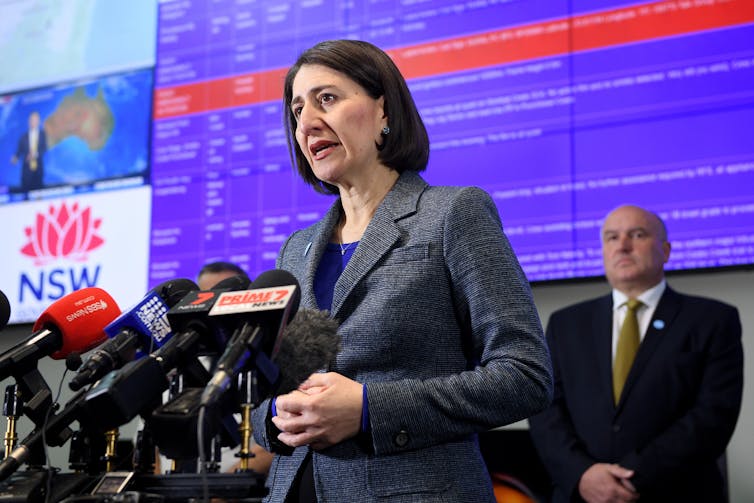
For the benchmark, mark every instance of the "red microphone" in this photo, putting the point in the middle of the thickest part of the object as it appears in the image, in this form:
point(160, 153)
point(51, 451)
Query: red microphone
point(74, 323)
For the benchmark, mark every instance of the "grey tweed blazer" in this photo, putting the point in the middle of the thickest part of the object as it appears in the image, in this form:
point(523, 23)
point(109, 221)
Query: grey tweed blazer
point(437, 318)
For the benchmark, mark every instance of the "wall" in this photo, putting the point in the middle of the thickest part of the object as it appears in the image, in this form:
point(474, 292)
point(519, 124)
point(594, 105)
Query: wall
point(733, 287)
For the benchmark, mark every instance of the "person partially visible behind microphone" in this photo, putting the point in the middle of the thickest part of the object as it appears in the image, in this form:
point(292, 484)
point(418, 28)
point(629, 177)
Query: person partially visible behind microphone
point(212, 273)
point(440, 336)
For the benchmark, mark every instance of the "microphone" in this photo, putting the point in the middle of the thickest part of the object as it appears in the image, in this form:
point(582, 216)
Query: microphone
point(73, 323)
point(144, 326)
point(137, 387)
point(191, 314)
point(4, 310)
point(51, 430)
point(263, 314)
point(309, 343)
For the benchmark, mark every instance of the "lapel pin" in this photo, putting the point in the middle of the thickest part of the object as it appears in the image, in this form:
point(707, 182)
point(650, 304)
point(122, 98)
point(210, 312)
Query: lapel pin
point(658, 324)
point(306, 250)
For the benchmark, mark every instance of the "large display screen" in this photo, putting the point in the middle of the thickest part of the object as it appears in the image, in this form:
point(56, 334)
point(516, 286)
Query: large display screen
point(562, 110)
point(172, 152)
point(93, 131)
point(75, 118)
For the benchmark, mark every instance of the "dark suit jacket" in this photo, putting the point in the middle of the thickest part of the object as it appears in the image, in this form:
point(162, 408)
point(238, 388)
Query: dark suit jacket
point(678, 409)
point(31, 180)
point(438, 320)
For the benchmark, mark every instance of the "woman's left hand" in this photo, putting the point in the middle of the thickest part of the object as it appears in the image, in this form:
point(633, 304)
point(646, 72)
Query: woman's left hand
point(325, 410)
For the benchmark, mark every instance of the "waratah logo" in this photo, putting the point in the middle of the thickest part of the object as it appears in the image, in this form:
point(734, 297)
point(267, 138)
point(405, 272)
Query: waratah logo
point(62, 232)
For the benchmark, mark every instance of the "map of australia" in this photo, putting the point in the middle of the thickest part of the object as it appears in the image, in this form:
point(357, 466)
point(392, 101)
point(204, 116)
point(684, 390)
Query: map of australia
point(79, 115)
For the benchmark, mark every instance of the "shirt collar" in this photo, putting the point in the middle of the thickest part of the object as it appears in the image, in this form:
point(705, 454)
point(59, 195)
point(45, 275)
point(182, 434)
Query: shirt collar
point(650, 298)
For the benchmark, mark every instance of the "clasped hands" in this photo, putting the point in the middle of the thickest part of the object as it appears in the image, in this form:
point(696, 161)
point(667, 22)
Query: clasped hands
point(324, 410)
point(607, 483)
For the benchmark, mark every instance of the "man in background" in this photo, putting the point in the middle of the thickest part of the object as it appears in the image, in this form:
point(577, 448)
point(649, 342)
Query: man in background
point(214, 272)
point(648, 381)
point(31, 150)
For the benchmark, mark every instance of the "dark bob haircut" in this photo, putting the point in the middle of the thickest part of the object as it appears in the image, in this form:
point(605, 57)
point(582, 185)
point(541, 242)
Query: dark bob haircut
point(406, 148)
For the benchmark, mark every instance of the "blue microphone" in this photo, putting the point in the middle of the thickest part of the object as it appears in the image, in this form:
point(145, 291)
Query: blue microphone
point(137, 386)
point(135, 332)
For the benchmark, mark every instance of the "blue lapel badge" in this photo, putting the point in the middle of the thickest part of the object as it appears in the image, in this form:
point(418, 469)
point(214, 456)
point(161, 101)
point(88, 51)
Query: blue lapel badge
point(658, 324)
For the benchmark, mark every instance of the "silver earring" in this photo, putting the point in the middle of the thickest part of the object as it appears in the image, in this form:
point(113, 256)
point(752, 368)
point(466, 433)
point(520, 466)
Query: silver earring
point(385, 131)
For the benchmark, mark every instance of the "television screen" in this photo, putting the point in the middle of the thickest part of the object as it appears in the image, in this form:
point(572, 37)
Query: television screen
point(89, 133)
point(561, 110)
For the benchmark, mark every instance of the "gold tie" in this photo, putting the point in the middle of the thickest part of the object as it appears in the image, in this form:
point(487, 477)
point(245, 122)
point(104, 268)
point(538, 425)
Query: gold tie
point(628, 344)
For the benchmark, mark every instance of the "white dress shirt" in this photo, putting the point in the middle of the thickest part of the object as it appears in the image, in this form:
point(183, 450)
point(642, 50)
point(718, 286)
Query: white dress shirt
point(649, 298)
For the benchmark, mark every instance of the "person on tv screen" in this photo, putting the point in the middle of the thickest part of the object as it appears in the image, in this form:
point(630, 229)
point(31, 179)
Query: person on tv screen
point(31, 149)
point(440, 336)
point(648, 381)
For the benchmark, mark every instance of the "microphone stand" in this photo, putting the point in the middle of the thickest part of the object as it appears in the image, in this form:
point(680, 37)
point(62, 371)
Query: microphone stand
point(145, 452)
point(248, 393)
point(56, 432)
point(31, 483)
point(11, 409)
point(36, 398)
point(179, 465)
point(111, 441)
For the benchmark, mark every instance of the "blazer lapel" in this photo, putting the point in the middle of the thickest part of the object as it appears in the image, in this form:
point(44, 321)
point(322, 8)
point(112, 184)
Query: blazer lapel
point(314, 251)
point(659, 327)
point(381, 235)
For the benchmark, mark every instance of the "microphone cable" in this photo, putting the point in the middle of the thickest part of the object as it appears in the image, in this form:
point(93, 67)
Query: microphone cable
point(202, 463)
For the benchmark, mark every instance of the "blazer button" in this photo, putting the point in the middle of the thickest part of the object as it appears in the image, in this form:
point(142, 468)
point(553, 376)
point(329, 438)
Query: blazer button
point(401, 439)
point(616, 428)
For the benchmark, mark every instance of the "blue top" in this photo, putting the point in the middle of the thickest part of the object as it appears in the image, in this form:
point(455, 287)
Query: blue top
point(333, 262)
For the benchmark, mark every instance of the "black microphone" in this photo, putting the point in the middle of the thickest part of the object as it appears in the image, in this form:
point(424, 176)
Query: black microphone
point(4, 310)
point(261, 315)
point(137, 387)
point(144, 326)
point(57, 424)
point(309, 343)
point(192, 314)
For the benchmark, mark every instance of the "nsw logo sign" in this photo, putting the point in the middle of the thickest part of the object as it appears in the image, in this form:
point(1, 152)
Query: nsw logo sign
point(62, 232)
point(65, 231)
